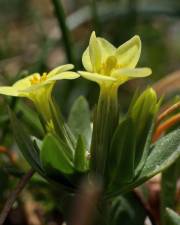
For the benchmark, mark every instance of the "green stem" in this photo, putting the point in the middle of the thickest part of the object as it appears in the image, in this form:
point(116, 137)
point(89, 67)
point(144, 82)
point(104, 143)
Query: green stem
point(5, 128)
point(105, 122)
point(95, 17)
point(60, 15)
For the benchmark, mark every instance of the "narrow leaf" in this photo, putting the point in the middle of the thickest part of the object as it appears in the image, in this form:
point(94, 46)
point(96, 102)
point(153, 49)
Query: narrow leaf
point(30, 118)
point(165, 152)
point(25, 144)
point(62, 128)
point(143, 113)
point(144, 144)
point(121, 157)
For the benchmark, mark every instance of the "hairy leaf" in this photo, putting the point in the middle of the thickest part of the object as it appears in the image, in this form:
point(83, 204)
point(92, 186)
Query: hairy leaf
point(165, 152)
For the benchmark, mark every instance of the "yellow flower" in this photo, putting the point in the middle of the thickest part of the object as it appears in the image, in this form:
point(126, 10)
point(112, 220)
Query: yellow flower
point(108, 65)
point(30, 84)
point(38, 87)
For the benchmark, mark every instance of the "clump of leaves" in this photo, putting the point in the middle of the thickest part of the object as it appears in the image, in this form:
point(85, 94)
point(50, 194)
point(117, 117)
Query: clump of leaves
point(117, 151)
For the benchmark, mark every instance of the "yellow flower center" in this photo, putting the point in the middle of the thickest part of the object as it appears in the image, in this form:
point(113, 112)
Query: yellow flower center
point(110, 64)
point(36, 79)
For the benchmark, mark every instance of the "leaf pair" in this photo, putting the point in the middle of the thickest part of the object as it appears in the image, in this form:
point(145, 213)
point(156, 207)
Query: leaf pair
point(58, 157)
point(162, 155)
point(132, 159)
point(64, 153)
point(131, 141)
point(55, 157)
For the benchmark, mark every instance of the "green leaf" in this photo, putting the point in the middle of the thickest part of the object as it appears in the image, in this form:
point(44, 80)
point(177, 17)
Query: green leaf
point(145, 104)
point(54, 156)
point(121, 157)
point(31, 119)
point(144, 144)
point(62, 128)
point(143, 113)
point(172, 217)
point(79, 120)
point(126, 210)
point(80, 161)
point(165, 152)
point(25, 144)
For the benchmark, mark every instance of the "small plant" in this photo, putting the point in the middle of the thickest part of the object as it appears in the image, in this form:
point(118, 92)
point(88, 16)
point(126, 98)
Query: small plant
point(114, 152)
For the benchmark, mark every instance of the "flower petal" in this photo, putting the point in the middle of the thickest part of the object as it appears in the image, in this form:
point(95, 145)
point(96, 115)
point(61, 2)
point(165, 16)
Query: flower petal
point(107, 48)
point(51, 80)
point(128, 53)
point(25, 82)
point(132, 73)
point(95, 52)
point(98, 78)
point(65, 75)
point(60, 69)
point(86, 60)
point(34, 87)
point(11, 91)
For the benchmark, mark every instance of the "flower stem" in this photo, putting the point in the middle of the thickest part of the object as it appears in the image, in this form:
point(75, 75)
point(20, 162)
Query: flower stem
point(105, 122)
point(95, 17)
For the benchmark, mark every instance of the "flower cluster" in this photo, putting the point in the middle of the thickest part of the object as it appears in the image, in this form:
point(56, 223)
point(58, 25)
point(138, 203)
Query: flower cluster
point(108, 66)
